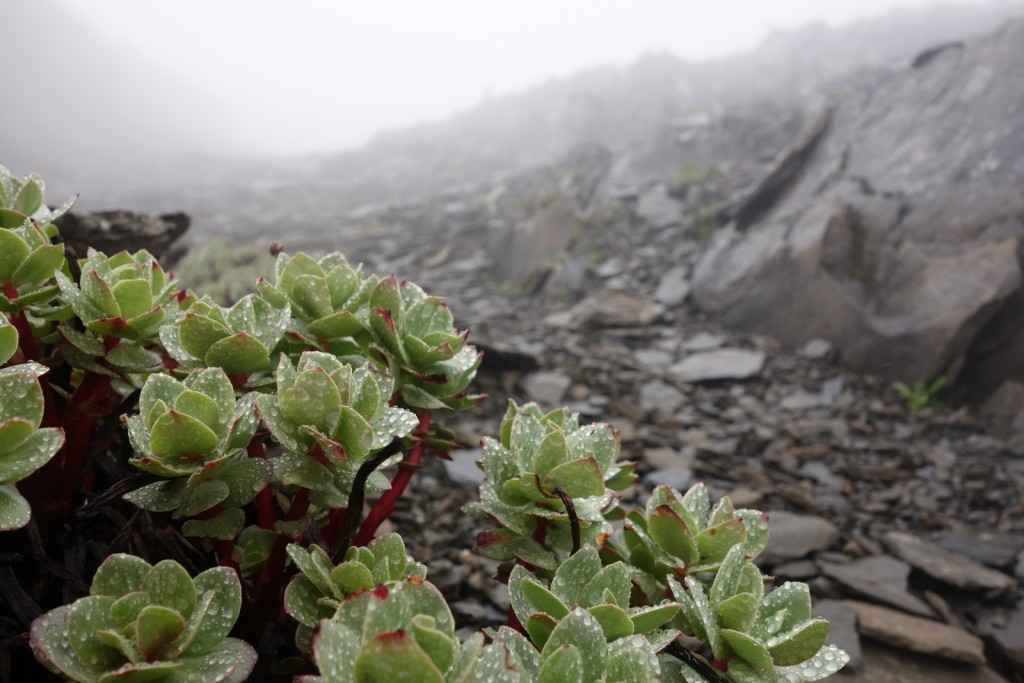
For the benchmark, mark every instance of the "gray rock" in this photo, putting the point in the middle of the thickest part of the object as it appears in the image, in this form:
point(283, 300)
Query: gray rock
point(800, 570)
point(886, 664)
point(1005, 627)
point(719, 364)
point(673, 288)
point(796, 536)
point(654, 359)
point(946, 566)
point(988, 547)
point(462, 469)
point(702, 341)
point(547, 388)
point(658, 208)
point(842, 631)
point(800, 400)
point(669, 458)
point(659, 397)
point(880, 578)
point(817, 349)
point(613, 308)
point(897, 244)
point(918, 635)
point(679, 479)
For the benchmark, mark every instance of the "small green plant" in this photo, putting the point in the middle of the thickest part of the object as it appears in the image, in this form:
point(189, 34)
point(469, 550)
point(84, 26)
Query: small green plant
point(142, 622)
point(257, 431)
point(923, 394)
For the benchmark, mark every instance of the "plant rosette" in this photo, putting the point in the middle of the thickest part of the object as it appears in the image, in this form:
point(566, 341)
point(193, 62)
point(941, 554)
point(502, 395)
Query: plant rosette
point(24, 447)
point(241, 339)
point(194, 433)
point(537, 455)
point(143, 622)
point(330, 417)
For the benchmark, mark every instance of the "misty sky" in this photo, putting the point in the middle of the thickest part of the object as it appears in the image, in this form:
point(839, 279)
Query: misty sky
point(312, 75)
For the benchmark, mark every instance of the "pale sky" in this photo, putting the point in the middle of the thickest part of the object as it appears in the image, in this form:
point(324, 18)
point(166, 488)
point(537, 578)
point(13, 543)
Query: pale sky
point(305, 75)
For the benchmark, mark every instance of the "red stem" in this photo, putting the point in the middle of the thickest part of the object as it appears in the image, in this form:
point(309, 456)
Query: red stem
point(78, 425)
point(265, 498)
point(385, 505)
point(272, 579)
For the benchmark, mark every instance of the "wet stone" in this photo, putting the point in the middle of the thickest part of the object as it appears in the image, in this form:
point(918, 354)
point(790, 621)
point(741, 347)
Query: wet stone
point(719, 364)
point(546, 388)
point(880, 578)
point(796, 536)
point(658, 397)
point(919, 635)
point(946, 566)
point(987, 547)
point(842, 628)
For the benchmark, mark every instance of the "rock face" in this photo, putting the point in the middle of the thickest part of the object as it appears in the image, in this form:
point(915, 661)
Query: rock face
point(899, 239)
point(112, 231)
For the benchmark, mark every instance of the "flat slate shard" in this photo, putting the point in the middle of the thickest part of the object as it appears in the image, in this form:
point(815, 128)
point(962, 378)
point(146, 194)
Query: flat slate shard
point(947, 566)
point(920, 635)
point(720, 364)
point(880, 578)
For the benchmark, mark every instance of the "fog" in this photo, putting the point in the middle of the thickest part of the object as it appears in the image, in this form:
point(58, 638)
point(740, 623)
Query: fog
point(267, 77)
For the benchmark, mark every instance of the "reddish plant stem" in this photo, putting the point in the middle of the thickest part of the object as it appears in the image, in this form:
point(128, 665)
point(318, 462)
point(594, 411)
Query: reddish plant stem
point(333, 529)
point(30, 352)
point(78, 426)
point(272, 579)
point(385, 505)
point(265, 498)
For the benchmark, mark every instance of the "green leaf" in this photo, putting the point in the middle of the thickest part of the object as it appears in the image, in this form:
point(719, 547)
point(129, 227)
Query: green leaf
point(798, 644)
point(313, 400)
point(439, 646)
point(202, 496)
point(563, 665)
point(100, 294)
point(176, 433)
point(670, 532)
point(225, 526)
point(155, 627)
point(543, 600)
point(29, 198)
point(579, 478)
point(85, 617)
point(224, 610)
point(395, 656)
point(32, 454)
point(716, 541)
point(40, 265)
point(728, 576)
point(614, 621)
point(126, 609)
point(647, 619)
point(698, 502)
point(15, 511)
point(198, 333)
point(351, 577)
point(199, 406)
point(738, 612)
point(336, 648)
point(748, 648)
point(238, 354)
point(119, 575)
point(8, 339)
point(21, 397)
point(583, 631)
point(551, 453)
point(341, 324)
point(310, 295)
point(171, 586)
point(13, 252)
point(540, 627)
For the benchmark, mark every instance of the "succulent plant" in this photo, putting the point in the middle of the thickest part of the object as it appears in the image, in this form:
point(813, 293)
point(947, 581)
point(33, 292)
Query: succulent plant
point(194, 433)
point(27, 257)
point(404, 633)
point(537, 456)
point(320, 587)
point(143, 622)
point(603, 591)
point(240, 339)
point(684, 535)
point(757, 638)
point(329, 299)
point(329, 417)
point(24, 447)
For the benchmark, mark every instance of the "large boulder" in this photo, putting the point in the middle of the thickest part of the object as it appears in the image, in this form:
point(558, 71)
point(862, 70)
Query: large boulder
point(893, 225)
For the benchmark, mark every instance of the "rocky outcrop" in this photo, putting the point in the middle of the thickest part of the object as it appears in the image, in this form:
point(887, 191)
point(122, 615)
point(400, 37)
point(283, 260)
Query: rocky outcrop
point(899, 239)
point(114, 231)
